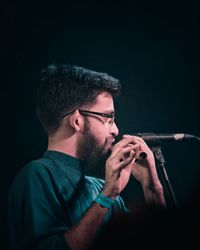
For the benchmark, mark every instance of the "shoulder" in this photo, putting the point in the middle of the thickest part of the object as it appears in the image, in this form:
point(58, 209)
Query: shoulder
point(38, 173)
point(34, 168)
point(95, 181)
point(44, 177)
point(29, 173)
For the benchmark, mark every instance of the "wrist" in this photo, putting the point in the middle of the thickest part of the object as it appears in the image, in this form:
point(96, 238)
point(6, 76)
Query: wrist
point(109, 194)
point(104, 201)
point(154, 196)
point(154, 189)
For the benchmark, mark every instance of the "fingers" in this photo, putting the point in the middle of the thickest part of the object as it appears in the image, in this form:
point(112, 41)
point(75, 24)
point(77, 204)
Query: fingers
point(140, 156)
point(123, 157)
point(143, 147)
point(122, 164)
point(135, 139)
point(121, 151)
point(129, 150)
point(122, 144)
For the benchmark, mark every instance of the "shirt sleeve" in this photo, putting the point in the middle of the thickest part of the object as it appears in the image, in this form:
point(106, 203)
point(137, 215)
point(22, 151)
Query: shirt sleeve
point(36, 218)
point(119, 206)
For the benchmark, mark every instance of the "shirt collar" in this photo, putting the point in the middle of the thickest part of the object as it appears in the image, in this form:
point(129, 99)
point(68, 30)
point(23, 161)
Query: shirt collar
point(72, 167)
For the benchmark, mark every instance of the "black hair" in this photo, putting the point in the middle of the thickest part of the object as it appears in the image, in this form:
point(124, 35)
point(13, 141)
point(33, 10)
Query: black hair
point(64, 88)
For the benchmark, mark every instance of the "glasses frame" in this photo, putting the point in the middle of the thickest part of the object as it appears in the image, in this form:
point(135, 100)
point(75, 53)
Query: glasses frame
point(88, 112)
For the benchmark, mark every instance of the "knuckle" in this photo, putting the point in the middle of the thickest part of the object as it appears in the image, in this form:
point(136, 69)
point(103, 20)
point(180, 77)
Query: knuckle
point(124, 150)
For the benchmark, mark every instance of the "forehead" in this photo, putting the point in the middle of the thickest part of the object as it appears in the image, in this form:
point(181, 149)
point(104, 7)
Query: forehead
point(104, 102)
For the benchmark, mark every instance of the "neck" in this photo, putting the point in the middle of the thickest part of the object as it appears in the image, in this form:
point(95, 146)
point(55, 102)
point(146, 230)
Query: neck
point(66, 145)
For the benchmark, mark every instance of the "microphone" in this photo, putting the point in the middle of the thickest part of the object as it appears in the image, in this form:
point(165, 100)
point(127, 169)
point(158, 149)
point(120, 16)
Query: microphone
point(156, 138)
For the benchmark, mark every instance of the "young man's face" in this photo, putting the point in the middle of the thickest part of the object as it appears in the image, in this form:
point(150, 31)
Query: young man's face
point(99, 132)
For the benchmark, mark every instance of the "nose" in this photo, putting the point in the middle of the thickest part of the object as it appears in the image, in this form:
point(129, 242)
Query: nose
point(114, 130)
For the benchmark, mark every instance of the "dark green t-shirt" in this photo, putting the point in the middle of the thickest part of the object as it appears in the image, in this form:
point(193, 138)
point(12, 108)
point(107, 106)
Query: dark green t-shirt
point(47, 197)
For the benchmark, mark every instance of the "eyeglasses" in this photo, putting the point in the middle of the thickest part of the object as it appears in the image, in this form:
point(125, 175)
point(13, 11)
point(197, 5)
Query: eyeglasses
point(111, 116)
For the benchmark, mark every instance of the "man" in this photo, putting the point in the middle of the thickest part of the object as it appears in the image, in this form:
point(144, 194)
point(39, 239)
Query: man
point(52, 203)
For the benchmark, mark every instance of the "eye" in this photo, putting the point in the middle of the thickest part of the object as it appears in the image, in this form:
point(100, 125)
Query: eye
point(111, 120)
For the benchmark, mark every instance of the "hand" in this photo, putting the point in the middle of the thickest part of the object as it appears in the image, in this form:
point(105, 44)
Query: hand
point(119, 166)
point(144, 170)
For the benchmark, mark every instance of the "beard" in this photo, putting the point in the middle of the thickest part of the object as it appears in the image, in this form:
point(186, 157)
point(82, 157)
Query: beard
point(93, 154)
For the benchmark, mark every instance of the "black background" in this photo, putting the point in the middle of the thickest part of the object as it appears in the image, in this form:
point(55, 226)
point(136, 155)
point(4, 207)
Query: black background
point(153, 47)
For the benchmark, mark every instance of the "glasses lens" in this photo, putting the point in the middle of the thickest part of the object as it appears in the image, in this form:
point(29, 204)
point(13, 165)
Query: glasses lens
point(110, 118)
point(110, 121)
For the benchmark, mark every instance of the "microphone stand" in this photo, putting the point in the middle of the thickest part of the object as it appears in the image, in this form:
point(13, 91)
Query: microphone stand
point(160, 164)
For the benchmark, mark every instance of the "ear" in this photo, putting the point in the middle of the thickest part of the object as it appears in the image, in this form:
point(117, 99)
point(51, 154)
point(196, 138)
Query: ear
point(76, 121)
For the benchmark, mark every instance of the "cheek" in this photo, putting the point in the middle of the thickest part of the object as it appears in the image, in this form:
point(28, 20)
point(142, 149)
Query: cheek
point(101, 133)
